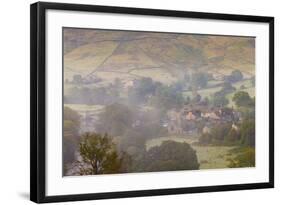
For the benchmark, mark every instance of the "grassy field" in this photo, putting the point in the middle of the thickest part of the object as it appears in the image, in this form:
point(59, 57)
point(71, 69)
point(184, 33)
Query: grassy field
point(213, 157)
point(81, 108)
point(209, 157)
point(156, 74)
point(246, 83)
point(208, 92)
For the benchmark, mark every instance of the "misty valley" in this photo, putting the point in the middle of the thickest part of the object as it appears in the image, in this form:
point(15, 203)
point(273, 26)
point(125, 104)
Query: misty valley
point(146, 102)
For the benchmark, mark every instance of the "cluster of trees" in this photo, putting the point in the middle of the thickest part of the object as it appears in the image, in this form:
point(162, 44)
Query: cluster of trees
point(122, 120)
point(145, 88)
point(220, 134)
point(235, 76)
point(199, 80)
point(167, 97)
point(219, 98)
point(243, 99)
point(133, 127)
point(147, 91)
point(225, 134)
point(142, 89)
point(126, 150)
point(99, 155)
point(245, 104)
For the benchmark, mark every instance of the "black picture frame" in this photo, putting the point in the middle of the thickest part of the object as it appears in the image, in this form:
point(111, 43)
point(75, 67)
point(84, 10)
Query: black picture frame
point(38, 101)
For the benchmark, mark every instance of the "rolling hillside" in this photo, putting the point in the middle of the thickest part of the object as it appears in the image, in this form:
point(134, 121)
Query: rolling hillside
point(164, 57)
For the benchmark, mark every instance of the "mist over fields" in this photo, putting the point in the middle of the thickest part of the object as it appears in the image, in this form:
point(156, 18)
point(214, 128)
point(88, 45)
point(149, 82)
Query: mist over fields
point(144, 101)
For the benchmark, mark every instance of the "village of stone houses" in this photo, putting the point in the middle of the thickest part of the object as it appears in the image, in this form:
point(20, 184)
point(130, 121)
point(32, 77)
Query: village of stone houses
point(151, 102)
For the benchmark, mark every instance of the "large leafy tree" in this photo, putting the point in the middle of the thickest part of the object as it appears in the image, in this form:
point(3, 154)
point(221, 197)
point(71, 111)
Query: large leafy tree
point(242, 99)
point(171, 156)
point(221, 134)
point(99, 155)
point(142, 89)
point(235, 76)
point(167, 97)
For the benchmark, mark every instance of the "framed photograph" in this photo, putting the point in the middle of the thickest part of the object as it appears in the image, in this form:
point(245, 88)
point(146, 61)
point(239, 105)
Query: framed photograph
point(129, 102)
